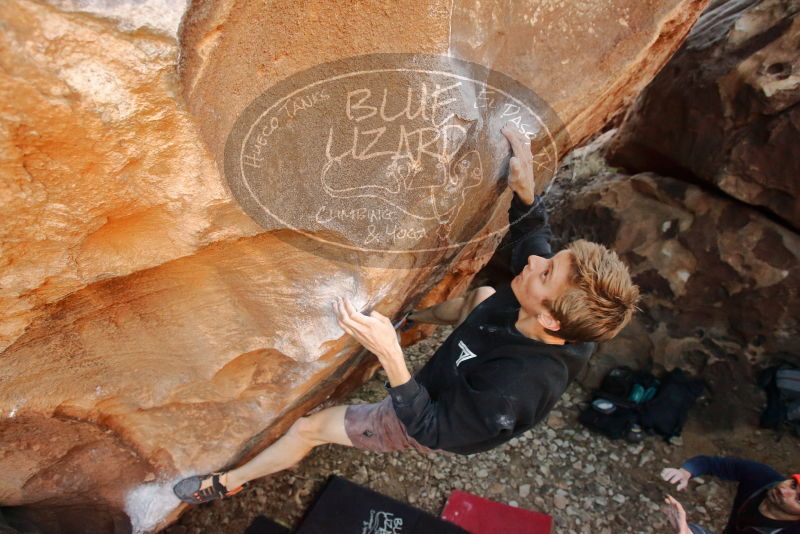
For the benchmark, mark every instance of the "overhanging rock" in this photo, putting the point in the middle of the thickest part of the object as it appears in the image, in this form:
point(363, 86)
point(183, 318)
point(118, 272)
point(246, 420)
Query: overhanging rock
point(151, 326)
point(724, 110)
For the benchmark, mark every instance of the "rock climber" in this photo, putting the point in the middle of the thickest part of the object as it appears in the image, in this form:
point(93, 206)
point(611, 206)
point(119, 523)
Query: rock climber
point(766, 502)
point(511, 356)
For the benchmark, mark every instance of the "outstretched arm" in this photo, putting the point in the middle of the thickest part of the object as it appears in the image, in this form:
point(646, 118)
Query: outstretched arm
point(529, 233)
point(520, 166)
point(730, 468)
point(376, 333)
point(725, 468)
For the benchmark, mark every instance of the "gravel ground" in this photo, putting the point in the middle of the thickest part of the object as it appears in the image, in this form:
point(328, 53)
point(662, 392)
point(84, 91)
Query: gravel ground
point(589, 484)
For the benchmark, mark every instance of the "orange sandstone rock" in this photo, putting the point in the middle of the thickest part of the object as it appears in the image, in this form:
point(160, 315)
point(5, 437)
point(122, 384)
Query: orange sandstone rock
point(149, 326)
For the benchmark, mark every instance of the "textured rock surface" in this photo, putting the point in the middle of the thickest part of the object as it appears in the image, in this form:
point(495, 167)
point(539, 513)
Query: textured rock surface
point(162, 16)
point(550, 47)
point(724, 109)
point(149, 327)
point(720, 281)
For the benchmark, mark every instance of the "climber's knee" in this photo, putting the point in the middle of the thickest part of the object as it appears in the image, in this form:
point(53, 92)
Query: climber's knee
point(326, 426)
point(473, 298)
point(305, 430)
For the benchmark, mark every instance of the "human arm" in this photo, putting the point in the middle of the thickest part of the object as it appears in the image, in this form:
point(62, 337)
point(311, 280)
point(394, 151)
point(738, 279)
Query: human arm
point(730, 468)
point(529, 232)
point(520, 166)
point(465, 414)
point(676, 516)
point(483, 406)
point(734, 469)
point(376, 333)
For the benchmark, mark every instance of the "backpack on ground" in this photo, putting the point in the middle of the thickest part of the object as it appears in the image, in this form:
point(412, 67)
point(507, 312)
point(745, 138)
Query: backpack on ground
point(615, 423)
point(616, 405)
point(629, 401)
point(627, 386)
point(782, 385)
point(668, 411)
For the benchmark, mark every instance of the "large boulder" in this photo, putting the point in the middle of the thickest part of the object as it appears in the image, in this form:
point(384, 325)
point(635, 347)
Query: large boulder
point(720, 282)
point(584, 59)
point(150, 326)
point(724, 109)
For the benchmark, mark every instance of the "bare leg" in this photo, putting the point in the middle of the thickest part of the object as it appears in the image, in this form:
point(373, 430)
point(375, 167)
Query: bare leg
point(446, 312)
point(453, 311)
point(326, 426)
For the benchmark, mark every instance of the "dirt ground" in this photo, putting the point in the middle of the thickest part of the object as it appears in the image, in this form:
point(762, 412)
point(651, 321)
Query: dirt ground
point(589, 484)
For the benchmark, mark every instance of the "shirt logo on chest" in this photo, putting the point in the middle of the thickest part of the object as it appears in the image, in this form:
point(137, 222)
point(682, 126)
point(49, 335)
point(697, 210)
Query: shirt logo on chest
point(466, 354)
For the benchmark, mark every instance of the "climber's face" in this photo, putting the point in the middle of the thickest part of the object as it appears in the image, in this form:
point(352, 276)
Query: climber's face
point(540, 283)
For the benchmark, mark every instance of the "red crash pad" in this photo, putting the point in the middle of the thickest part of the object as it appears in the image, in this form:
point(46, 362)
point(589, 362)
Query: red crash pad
point(482, 516)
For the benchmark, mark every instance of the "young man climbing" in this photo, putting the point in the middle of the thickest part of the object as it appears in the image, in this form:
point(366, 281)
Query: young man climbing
point(510, 358)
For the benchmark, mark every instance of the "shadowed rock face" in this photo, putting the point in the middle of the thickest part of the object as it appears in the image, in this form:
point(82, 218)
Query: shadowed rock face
point(724, 110)
point(719, 280)
point(151, 328)
point(722, 114)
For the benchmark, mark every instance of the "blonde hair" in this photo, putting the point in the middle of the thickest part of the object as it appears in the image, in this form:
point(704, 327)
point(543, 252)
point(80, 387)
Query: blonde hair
point(600, 299)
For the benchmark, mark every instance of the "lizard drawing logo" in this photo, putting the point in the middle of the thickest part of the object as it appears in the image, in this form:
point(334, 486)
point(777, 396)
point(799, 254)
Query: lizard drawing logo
point(384, 156)
point(424, 184)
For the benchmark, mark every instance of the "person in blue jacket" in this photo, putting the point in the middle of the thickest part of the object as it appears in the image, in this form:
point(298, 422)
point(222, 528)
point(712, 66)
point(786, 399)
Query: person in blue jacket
point(766, 502)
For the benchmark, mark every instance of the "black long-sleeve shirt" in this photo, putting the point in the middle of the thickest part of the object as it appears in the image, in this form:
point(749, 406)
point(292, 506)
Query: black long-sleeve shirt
point(754, 480)
point(488, 383)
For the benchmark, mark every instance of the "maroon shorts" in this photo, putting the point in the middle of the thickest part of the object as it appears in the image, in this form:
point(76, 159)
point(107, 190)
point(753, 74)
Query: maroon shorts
point(375, 427)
